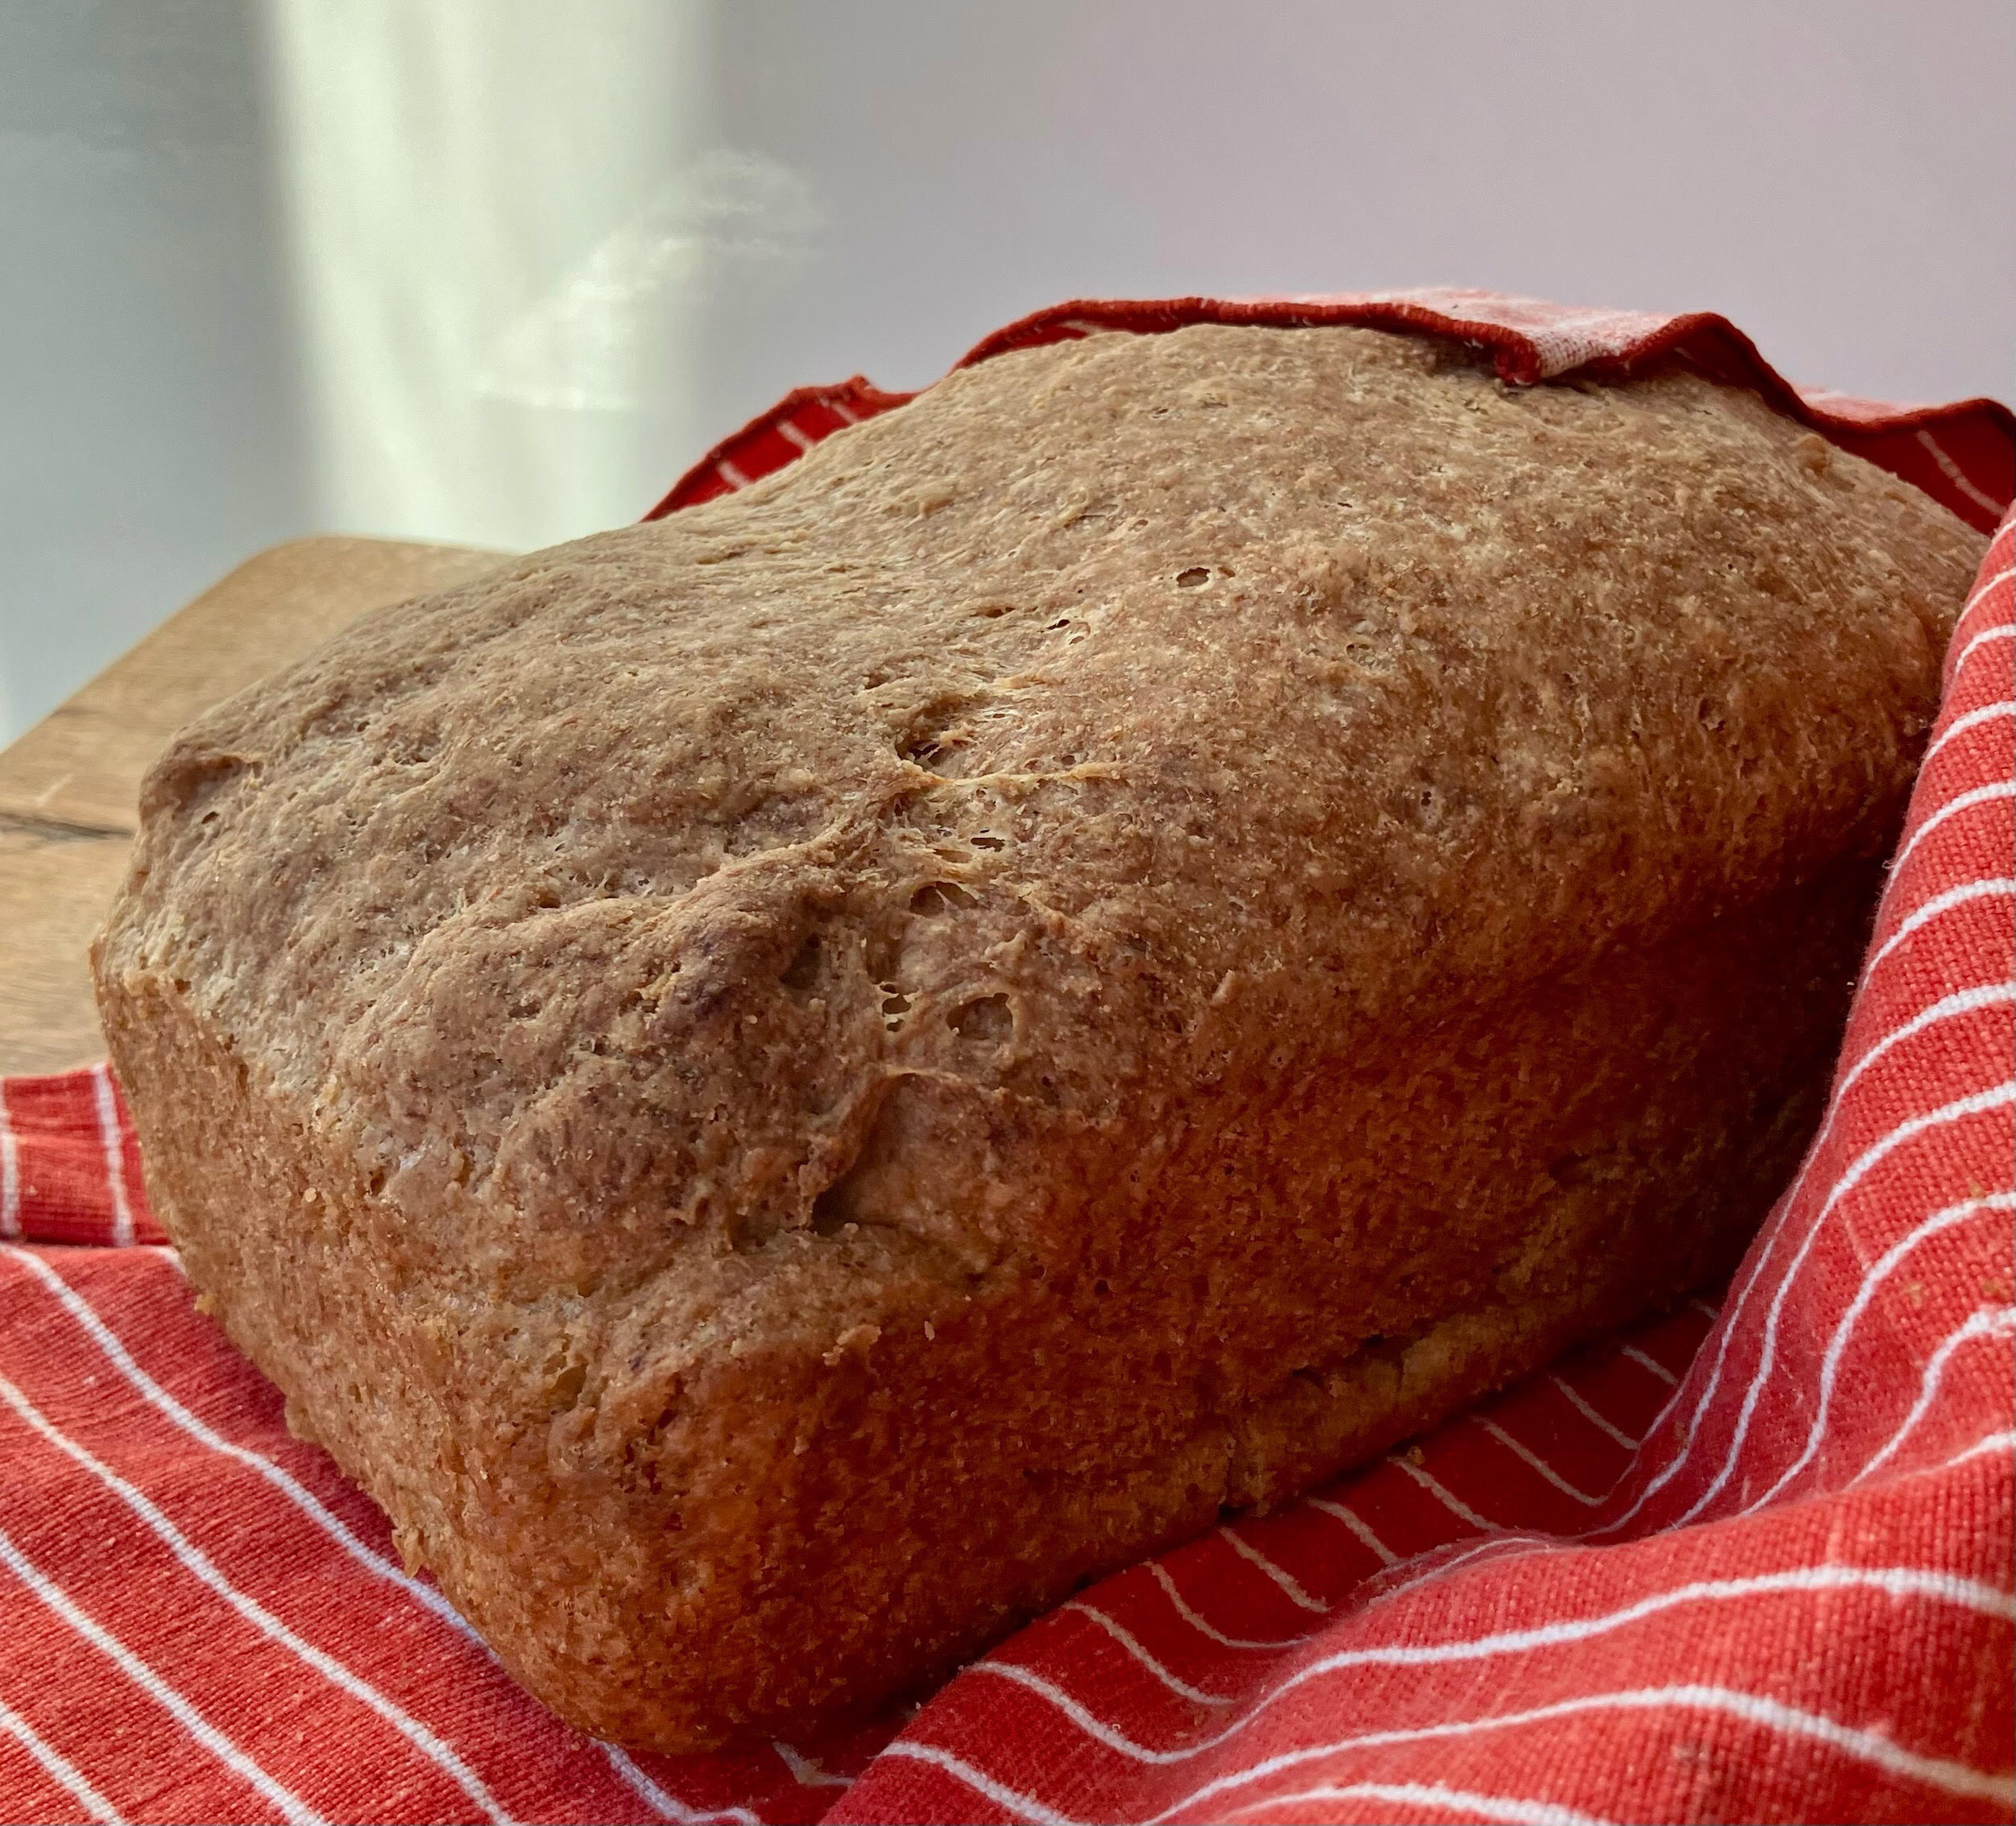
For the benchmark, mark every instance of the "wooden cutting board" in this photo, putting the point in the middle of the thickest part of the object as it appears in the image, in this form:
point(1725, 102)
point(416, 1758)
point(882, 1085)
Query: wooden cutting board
point(70, 789)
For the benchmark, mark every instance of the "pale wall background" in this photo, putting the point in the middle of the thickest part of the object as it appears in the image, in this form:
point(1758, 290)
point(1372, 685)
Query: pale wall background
point(495, 271)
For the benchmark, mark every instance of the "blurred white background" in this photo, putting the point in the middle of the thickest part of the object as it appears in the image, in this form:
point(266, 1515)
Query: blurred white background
point(496, 271)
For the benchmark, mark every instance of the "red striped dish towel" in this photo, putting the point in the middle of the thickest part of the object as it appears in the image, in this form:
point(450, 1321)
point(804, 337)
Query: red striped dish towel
point(1752, 1561)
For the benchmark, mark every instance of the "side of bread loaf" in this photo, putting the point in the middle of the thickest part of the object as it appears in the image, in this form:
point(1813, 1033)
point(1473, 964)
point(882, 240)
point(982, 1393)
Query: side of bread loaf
point(782, 1087)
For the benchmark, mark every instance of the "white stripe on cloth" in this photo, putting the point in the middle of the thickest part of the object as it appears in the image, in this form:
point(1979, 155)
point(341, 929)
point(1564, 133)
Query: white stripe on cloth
point(283, 1800)
point(1982, 590)
point(2005, 632)
point(1499, 1546)
point(1160, 1574)
point(302, 1498)
point(1988, 889)
point(1868, 1746)
point(1865, 1747)
point(58, 1768)
point(1280, 1574)
point(1993, 1442)
point(1894, 1583)
point(1528, 1456)
point(1509, 1808)
point(1010, 1800)
point(1999, 1096)
point(1961, 1001)
point(667, 1806)
point(805, 1770)
point(1959, 803)
point(1734, 1307)
point(1972, 720)
point(1086, 1720)
point(1837, 1345)
point(804, 439)
point(198, 1564)
point(1958, 476)
point(1026, 1807)
point(299, 1495)
point(1983, 593)
point(113, 1140)
point(10, 1173)
point(1992, 1322)
point(1447, 1498)
point(1856, 1172)
point(1644, 1362)
point(1129, 1641)
point(1596, 1420)
point(1357, 1525)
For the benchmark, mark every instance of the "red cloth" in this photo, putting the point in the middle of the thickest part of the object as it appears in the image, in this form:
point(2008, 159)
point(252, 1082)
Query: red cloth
point(1754, 1565)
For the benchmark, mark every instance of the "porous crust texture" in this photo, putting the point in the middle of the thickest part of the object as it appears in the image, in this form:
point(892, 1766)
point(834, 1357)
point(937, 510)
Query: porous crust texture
point(785, 1086)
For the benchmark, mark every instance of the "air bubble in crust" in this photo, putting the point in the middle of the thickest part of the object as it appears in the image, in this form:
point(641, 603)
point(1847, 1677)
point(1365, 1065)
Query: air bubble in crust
point(803, 970)
point(987, 1019)
point(935, 898)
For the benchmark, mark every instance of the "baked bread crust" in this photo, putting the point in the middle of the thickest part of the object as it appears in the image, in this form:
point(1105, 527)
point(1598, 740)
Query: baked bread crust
point(783, 1086)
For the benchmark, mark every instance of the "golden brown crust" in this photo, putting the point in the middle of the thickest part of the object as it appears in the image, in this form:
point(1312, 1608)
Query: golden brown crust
point(1090, 951)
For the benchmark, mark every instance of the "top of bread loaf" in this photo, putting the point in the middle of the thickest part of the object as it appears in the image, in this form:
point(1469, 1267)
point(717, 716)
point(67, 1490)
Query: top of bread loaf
point(592, 909)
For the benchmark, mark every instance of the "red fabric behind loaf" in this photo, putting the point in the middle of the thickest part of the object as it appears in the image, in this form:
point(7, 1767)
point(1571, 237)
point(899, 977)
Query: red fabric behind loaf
point(1746, 1563)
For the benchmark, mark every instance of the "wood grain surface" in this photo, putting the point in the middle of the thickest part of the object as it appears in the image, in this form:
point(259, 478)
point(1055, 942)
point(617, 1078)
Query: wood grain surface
point(70, 789)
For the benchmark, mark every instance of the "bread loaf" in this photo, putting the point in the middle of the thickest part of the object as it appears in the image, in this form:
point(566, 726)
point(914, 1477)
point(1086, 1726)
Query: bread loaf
point(785, 1086)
